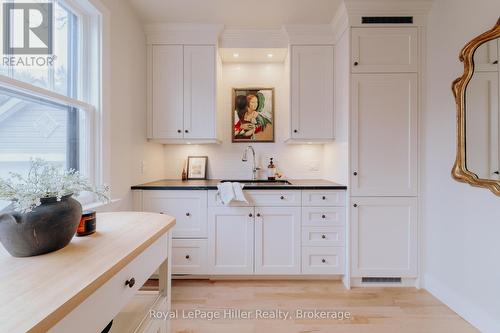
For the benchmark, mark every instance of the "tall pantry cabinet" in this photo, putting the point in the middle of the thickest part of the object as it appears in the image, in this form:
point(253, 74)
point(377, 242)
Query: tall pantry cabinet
point(384, 152)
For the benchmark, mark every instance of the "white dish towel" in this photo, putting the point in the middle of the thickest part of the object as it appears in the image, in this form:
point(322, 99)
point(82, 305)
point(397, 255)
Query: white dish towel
point(228, 192)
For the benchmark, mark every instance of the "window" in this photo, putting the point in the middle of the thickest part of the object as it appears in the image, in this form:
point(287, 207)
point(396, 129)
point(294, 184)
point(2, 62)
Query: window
point(48, 108)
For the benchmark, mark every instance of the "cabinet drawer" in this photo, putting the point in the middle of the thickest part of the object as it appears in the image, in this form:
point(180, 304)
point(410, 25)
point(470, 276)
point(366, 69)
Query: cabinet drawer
point(323, 216)
point(188, 207)
point(323, 198)
point(323, 236)
point(323, 260)
point(189, 256)
point(107, 301)
point(265, 198)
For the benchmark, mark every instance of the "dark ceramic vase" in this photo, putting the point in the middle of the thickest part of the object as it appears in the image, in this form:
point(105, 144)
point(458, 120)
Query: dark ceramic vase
point(49, 227)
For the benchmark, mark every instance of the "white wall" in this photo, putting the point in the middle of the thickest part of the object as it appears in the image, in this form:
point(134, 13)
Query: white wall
point(336, 154)
point(128, 106)
point(461, 223)
point(224, 160)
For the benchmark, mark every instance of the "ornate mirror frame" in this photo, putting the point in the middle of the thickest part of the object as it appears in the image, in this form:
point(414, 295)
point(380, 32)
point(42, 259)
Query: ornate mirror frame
point(459, 171)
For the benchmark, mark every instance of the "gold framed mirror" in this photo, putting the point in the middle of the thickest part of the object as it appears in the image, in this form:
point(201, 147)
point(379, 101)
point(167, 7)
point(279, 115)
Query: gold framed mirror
point(477, 94)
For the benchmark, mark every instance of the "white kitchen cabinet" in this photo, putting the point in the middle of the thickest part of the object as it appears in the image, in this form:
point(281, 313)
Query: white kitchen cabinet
point(182, 93)
point(384, 117)
point(384, 50)
point(384, 242)
point(311, 92)
point(188, 207)
point(231, 240)
point(167, 92)
point(277, 240)
point(486, 57)
point(199, 92)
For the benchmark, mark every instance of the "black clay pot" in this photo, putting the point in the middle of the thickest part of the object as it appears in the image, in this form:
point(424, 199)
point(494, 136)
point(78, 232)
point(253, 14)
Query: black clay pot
point(49, 227)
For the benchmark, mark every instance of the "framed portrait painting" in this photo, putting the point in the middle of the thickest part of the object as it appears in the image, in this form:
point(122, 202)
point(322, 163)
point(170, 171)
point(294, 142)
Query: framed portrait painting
point(197, 167)
point(253, 115)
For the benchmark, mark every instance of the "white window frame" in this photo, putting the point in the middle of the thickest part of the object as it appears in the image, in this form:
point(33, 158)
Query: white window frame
point(93, 67)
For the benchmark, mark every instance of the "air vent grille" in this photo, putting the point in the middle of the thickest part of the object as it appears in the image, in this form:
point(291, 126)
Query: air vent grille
point(387, 20)
point(381, 280)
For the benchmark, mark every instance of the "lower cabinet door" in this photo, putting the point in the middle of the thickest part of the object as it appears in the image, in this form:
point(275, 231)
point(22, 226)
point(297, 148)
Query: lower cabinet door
point(277, 240)
point(230, 240)
point(384, 236)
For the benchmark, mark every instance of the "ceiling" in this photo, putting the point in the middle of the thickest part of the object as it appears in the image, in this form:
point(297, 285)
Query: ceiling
point(256, 13)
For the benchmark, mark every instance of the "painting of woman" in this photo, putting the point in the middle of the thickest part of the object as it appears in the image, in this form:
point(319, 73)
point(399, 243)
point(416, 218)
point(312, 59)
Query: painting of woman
point(253, 115)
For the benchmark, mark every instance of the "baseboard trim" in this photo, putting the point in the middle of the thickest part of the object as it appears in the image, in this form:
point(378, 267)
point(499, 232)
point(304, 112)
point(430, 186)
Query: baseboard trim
point(474, 315)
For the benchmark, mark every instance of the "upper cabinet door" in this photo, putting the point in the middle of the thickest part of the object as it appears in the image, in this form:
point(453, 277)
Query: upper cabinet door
point(383, 50)
point(199, 92)
point(312, 92)
point(384, 135)
point(167, 91)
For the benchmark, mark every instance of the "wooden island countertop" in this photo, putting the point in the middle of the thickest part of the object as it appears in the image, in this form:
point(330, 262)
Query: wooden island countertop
point(37, 292)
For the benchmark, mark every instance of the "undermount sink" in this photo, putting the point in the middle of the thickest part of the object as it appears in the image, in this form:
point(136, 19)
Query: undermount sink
point(258, 182)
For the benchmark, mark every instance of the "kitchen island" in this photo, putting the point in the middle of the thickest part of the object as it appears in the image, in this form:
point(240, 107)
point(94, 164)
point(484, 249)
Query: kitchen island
point(83, 286)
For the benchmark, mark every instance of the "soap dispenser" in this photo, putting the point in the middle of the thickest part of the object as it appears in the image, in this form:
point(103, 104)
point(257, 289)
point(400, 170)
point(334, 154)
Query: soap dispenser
point(271, 170)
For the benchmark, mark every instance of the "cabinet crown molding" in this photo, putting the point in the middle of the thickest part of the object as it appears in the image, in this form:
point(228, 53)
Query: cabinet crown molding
point(253, 38)
point(183, 33)
point(310, 34)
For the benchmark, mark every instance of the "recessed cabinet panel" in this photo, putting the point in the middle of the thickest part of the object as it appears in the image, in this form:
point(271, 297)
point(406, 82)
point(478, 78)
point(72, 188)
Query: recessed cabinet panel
point(311, 92)
point(486, 57)
point(384, 135)
point(277, 240)
point(188, 207)
point(384, 242)
point(167, 96)
point(383, 50)
point(231, 240)
point(199, 92)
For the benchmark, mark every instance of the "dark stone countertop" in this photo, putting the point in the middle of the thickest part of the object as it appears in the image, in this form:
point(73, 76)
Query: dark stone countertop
point(211, 184)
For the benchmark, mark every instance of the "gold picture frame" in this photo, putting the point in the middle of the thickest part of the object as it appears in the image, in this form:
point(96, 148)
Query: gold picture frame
point(459, 86)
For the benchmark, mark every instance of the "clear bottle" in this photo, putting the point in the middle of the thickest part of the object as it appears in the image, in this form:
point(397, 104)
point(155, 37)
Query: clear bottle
point(271, 170)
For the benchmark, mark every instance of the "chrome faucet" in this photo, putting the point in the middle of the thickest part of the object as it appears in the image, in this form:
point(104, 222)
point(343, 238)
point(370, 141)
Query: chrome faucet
point(244, 158)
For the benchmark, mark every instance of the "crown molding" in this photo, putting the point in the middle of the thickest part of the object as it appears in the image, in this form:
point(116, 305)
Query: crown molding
point(388, 7)
point(182, 33)
point(310, 34)
point(253, 38)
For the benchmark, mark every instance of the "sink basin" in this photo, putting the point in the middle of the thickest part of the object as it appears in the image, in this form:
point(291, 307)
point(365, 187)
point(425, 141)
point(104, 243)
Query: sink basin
point(259, 182)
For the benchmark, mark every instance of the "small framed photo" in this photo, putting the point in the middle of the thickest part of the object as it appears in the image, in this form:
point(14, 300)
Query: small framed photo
point(197, 167)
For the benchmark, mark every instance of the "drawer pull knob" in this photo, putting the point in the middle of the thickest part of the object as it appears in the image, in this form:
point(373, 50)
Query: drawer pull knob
point(250, 215)
point(323, 236)
point(323, 216)
point(355, 205)
point(187, 256)
point(324, 198)
point(323, 260)
point(179, 131)
point(130, 282)
point(282, 198)
point(356, 63)
point(355, 173)
point(186, 131)
point(295, 131)
point(258, 214)
point(188, 214)
point(162, 213)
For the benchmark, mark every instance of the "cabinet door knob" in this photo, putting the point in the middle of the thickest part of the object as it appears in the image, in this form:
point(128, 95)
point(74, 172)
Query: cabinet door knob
point(258, 214)
point(130, 282)
point(186, 131)
point(356, 63)
point(187, 256)
point(250, 215)
point(323, 236)
point(179, 131)
point(323, 216)
point(324, 198)
point(495, 62)
point(497, 172)
point(295, 131)
point(355, 173)
point(282, 198)
point(188, 214)
point(355, 205)
point(162, 213)
point(323, 260)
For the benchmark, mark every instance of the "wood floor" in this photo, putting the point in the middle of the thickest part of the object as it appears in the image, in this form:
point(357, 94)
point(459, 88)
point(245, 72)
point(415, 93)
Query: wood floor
point(384, 310)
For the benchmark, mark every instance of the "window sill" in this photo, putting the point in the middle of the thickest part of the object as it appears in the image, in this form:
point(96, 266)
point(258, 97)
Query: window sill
point(99, 205)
